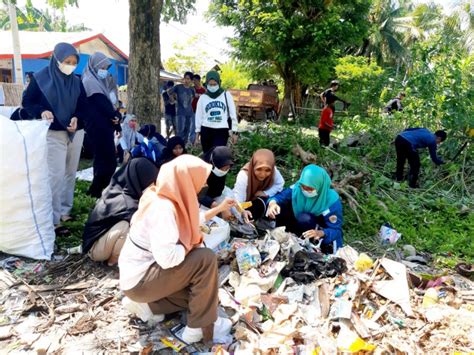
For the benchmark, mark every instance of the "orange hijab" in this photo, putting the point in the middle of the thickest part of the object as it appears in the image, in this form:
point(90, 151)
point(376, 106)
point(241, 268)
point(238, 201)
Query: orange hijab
point(180, 181)
point(261, 158)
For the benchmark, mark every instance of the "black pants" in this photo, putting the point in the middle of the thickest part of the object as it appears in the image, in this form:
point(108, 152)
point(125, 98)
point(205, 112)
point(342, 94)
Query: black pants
point(213, 137)
point(324, 136)
point(405, 151)
point(105, 162)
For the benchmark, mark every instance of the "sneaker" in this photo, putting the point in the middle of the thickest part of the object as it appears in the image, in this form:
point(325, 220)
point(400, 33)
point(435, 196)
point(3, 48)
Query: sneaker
point(222, 328)
point(141, 310)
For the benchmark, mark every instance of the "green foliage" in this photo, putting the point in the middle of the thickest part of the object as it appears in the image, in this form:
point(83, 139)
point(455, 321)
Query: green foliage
point(188, 57)
point(235, 76)
point(361, 81)
point(177, 10)
point(31, 18)
point(83, 204)
point(441, 87)
point(300, 40)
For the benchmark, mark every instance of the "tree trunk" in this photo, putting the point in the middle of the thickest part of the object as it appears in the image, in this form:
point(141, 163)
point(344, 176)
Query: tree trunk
point(144, 62)
point(288, 98)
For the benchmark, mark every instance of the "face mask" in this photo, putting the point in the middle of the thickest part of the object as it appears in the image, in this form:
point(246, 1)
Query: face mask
point(102, 73)
point(66, 68)
point(309, 194)
point(132, 124)
point(218, 172)
point(213, 88)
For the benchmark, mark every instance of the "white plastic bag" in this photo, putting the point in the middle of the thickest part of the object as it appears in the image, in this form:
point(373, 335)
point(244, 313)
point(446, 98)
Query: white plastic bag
point(26, 214)
point(219, 234)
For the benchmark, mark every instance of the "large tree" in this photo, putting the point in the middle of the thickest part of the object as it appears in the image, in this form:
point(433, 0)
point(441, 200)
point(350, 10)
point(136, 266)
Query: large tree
point(145, 54)
point(299, 39)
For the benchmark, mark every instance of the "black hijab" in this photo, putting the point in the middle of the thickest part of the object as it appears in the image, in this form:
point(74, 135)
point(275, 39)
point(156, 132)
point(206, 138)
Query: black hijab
point(60, 90)
point(218, 157)
point(170, 145)
point(119, 201)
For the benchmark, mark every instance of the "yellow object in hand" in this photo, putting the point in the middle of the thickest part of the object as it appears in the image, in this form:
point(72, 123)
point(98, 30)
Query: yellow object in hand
point(243, 206)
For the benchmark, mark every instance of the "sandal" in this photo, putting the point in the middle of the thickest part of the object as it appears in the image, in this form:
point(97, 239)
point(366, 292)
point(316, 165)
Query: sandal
point(62, 231)
point(67, 218)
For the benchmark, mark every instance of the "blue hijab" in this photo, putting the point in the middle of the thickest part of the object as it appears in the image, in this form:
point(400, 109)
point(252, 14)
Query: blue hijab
point(316, 177)
point(61, 91)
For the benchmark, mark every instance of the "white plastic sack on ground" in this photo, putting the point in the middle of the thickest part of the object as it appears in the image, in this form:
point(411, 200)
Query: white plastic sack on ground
point(26, 215)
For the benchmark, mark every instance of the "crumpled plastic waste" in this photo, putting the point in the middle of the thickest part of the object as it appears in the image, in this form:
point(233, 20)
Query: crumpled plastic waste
point(388, 235)
point(305, 267)
point(395, 290)
point(363, 262)
point(248, 257)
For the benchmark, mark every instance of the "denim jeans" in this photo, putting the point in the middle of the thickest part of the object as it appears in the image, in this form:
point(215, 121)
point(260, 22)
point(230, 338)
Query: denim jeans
point(183, 123)
point(192, 132)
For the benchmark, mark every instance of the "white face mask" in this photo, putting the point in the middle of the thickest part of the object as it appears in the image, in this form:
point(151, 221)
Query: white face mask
point(102, 73)
point(66, 68)
point(218, 172)
point(213, 88)
point(309, 194)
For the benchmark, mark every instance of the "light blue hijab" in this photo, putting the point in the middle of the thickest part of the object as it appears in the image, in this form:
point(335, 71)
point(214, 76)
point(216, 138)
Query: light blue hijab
point(61, 91)
point(316, 177)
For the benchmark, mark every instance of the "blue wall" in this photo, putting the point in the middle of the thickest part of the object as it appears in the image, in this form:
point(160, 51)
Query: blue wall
point(118, 69)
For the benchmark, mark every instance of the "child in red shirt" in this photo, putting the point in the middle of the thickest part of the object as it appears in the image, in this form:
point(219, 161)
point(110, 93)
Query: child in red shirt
point(326, 124)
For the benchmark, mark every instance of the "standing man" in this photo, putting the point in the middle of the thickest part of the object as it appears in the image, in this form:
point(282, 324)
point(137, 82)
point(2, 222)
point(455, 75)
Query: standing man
point(170, 110)
point(395, 104)
point(407, 143)
point(326, 123)
point(198, 91)
point(329, 95)
point(184, 115)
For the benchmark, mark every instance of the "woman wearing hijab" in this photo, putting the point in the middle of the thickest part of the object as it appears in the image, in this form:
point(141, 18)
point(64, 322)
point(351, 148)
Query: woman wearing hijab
point(129, 136)
point(55, 94)
point(103, 120)
point(258, 180)
point(174, 148)
point(163, 261)
point(221, 160)
point(310, 208)
point(109, 221)
point(216, 117)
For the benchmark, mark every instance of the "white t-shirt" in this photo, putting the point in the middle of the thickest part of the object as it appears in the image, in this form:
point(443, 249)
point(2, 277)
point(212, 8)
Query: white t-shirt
point(213, 113)
point(242, 181)
point(159, 234)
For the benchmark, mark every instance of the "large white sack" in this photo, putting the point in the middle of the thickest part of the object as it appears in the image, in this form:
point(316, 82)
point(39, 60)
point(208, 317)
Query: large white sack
point(26, 215)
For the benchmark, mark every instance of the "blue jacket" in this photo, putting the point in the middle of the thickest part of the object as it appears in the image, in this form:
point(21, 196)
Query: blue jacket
point(422, 138)
point(333, 218)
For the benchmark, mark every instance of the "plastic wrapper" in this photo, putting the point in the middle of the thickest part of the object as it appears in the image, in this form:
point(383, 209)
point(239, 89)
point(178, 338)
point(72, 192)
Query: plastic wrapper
point(248, 257)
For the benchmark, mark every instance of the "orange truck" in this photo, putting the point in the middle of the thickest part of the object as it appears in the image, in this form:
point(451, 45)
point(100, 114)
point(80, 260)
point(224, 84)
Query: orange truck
point(258, 102)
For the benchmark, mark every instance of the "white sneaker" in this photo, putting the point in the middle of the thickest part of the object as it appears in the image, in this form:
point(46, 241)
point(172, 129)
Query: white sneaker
point(222, 327)
point(141, 310)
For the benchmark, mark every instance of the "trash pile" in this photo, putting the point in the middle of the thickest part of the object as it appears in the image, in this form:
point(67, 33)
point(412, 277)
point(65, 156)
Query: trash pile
point(281, 294)
point(284, 296)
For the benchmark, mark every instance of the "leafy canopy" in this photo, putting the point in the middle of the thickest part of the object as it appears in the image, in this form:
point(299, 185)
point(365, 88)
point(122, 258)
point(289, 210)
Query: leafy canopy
point(300, 39)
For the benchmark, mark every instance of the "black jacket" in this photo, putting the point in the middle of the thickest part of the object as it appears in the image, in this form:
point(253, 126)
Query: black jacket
point(35, 103)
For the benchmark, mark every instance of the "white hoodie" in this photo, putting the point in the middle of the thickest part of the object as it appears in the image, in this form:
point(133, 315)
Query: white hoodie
point(213, 113)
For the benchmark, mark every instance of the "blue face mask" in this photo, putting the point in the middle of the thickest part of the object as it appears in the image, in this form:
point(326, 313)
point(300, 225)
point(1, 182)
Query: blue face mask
point(213, 88)
point(102, 73)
